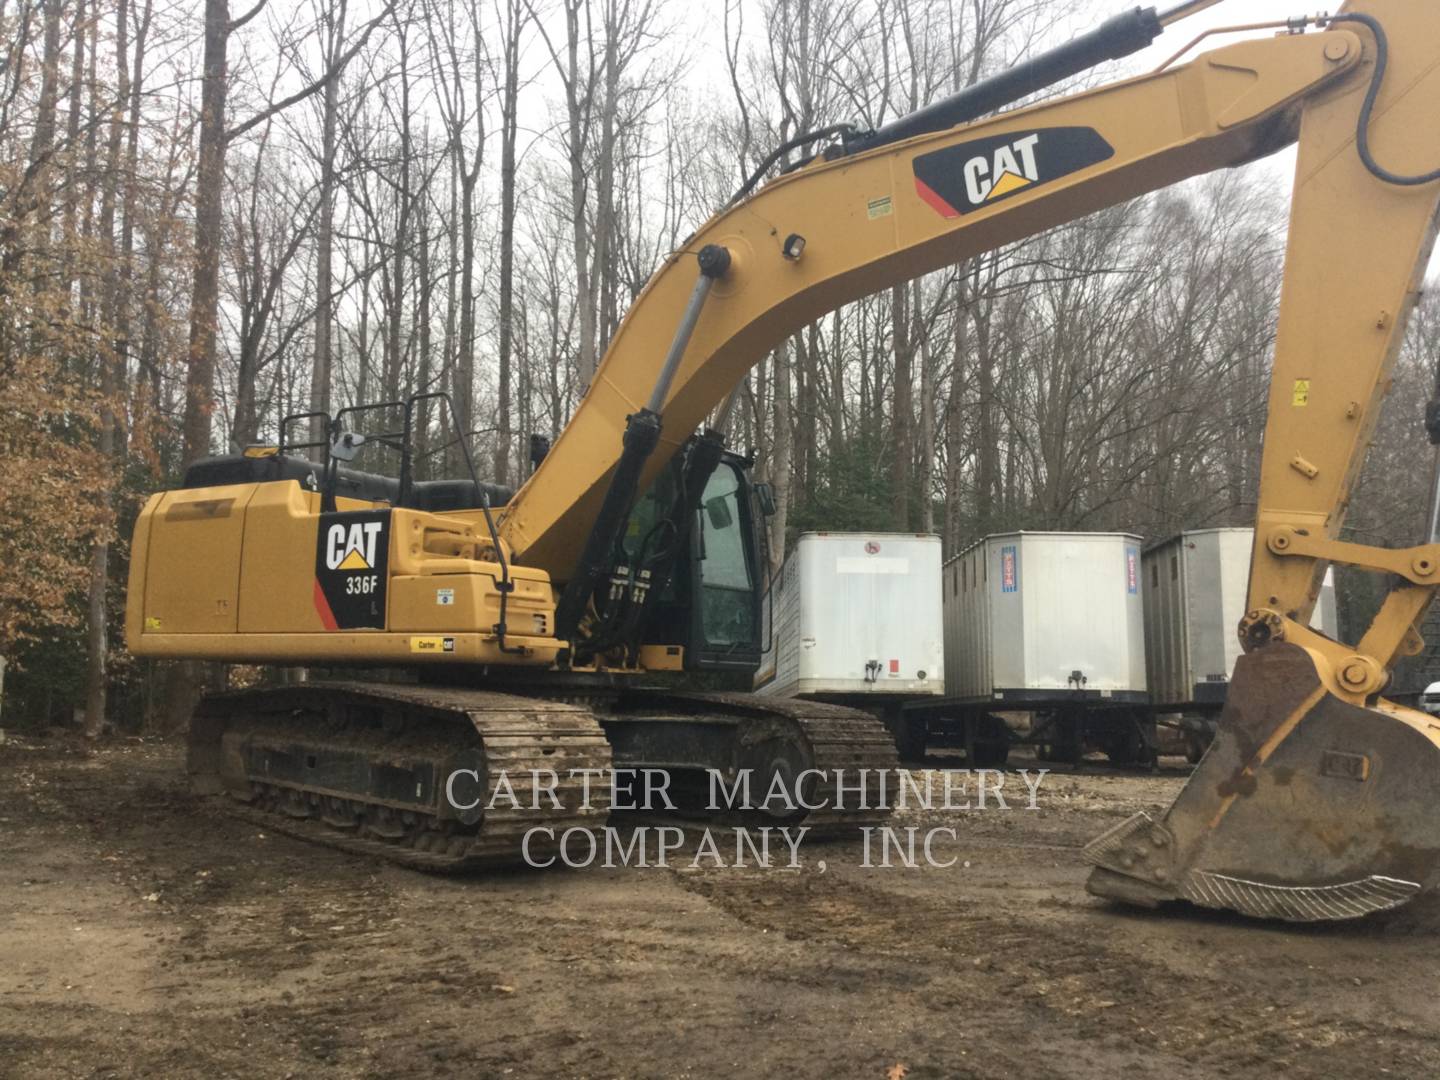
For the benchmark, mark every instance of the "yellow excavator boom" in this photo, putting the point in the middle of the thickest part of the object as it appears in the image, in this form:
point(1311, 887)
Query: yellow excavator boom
point(868, 221)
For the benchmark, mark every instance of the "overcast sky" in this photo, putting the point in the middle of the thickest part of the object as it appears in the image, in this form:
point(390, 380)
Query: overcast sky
point(702, 40)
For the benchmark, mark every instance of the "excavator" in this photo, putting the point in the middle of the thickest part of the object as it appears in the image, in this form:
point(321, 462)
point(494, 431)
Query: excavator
point(568, 626)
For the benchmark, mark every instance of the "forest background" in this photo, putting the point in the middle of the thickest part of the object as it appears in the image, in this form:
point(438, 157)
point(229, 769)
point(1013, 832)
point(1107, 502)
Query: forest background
point(212, 219)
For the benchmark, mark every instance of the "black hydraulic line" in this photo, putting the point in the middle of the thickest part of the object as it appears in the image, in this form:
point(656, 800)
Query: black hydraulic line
point(1117, 36)
point(1362, 131)
point(783, 149)
point(642, 435)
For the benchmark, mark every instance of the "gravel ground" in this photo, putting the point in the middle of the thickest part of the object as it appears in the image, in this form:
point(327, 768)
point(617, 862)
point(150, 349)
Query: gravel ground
point(143, 931)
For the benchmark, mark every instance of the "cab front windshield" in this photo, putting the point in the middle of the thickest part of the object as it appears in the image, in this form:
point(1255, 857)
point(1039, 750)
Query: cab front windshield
point(727, 578)
point(719, 543)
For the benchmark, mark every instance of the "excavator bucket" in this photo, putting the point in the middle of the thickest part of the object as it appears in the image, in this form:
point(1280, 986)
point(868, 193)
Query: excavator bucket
point(1305, 808)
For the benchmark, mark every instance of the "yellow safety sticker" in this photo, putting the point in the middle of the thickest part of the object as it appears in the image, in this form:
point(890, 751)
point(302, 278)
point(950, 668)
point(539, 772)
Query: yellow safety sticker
point(152, 623)
point(432, 644)
point(1300, 396)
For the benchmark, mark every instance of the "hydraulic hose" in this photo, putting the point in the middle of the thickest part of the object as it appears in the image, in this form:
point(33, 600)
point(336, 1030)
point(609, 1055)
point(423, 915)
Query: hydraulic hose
point(1362, 131)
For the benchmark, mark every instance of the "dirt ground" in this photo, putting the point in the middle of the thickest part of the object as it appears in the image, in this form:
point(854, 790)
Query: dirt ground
point(144, 932)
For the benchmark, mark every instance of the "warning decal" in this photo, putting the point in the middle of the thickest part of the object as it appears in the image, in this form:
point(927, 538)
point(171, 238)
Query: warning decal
point(1132, 570)
point(352, 554)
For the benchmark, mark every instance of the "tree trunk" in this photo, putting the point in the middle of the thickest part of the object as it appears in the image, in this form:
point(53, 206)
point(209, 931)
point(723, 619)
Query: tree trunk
point(509, 120)
point(954, 419)
point(780, 454)
point(395, 317)
point(577, 128)
point(421, 327)
point(987, 473)
point(605, 284)
point(42, 141)
point(448, 347)
point(902, 418)
point(209, 189)
point(109, 361)
point(837, 394)
point(465, 368)
point(321, 364)
point(925, 458)
point(77, 99)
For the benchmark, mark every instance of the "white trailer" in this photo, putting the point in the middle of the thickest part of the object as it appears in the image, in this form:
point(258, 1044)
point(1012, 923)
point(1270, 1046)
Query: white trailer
point(1048, 623)
point(1195, 586)
point(1040, 616)
point(857, 621)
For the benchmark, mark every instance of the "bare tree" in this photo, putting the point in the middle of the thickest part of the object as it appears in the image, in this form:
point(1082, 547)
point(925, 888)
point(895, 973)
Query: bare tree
point(215, 136)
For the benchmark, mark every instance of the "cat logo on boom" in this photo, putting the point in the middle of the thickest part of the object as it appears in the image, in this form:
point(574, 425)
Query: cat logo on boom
point(1011, 168)
point(973, 175)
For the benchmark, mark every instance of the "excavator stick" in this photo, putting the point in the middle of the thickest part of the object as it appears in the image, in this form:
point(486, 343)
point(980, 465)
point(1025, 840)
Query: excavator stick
point(1319, 799)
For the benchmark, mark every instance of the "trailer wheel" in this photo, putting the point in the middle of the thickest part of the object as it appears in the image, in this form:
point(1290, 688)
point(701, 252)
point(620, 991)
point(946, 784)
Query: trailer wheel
point(1063, 738)
point(1195, 747)
point(991, 755)
point(1130, 740)
point(989, 744)
point(911, 734)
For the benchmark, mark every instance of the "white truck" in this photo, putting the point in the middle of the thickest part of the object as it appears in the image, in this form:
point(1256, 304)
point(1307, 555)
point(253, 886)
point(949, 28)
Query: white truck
point(855, 619)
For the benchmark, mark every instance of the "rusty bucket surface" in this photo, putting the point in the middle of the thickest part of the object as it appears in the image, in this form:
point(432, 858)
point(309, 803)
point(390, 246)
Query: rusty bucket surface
point(1305, 808)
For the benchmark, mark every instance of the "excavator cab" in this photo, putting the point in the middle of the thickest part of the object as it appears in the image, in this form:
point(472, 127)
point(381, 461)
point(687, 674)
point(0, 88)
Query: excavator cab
point(711, 604)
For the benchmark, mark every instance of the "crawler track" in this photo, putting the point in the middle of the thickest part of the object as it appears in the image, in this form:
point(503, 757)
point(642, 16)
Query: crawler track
point(363, 766)
point(791, 736)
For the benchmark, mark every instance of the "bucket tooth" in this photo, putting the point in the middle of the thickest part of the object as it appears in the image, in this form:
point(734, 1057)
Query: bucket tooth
point(1306, 808)
point(1136, 858)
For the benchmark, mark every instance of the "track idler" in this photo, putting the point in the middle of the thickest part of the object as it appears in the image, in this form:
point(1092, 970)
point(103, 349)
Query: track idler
point(1306, 807)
